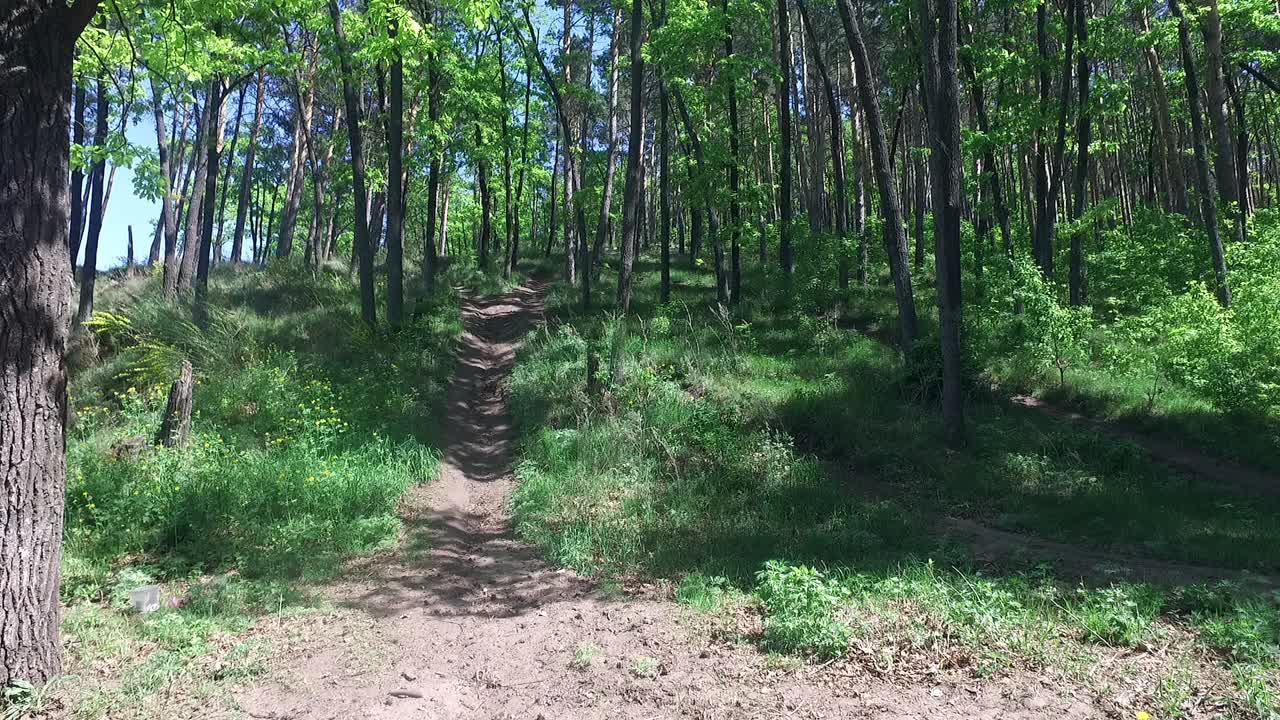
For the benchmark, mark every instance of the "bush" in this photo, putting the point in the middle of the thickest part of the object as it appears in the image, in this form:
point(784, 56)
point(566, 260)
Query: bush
point(801, 604)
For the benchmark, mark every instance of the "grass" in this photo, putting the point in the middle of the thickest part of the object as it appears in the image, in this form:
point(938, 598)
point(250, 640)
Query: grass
point(307, 428)
point(773, 440)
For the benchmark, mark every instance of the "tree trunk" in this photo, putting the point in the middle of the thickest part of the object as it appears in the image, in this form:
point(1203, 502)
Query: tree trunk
point(294, 184)
point(395, 188)
point(895, 238)
point(364, 252)
point(89, 269)
point(226, 176)
point(77, 178)
point(786, 252)
point(246, 173)
point(430, 258)
point(38, 37)
point(942, 90)
point(217, 94)
point(1208, 203)
point(611, 158)
point(635, 146)
point(1084, 135)
point(175, 424)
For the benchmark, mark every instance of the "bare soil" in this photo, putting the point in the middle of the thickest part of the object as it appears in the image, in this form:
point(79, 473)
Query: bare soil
point(463, 620)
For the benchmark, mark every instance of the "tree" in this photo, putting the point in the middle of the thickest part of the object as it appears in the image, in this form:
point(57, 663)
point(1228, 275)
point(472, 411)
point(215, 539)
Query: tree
point(37, 45)
point(939, 22)
point(635, 147)
point(895, 238)
point(1208, 203)
point(363, 250)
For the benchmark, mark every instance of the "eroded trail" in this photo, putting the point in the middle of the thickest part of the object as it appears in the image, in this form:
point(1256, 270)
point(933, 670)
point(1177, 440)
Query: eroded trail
point(463, 620)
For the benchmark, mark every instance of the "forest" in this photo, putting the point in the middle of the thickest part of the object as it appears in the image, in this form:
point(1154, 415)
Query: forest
point(661, 358)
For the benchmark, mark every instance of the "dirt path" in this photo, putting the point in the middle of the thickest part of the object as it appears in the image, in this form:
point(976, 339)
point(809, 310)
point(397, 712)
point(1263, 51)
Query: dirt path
point(465, 621)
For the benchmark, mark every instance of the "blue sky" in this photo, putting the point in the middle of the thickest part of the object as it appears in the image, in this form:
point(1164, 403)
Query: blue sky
point(125, 209)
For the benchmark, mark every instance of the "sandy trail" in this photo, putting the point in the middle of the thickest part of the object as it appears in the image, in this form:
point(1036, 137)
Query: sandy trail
point(465, 621)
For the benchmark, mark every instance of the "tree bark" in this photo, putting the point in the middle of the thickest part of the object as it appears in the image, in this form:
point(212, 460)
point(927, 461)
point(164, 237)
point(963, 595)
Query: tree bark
point(942, 89)
point(364, 252)
point(635, 146)
point(89, 268)
point(1079, 272)
point(895, 238)
point(1208, 203)
point(786, 252)
point(175, 424)
point(38, 37)
point(395, 187)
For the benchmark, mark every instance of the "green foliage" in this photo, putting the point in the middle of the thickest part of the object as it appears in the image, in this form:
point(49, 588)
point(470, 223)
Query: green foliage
point(301, 446)
point(800, 611)
point(1120, 615)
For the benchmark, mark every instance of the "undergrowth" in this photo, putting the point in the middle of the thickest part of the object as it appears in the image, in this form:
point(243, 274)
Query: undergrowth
point(772, 451)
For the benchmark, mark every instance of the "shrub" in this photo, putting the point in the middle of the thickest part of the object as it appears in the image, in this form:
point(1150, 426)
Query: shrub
point(801, 604)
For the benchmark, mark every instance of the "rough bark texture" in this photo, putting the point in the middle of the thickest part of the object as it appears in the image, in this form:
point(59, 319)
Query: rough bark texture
point(37, 39)
point(175, 426)
point(1084, 136)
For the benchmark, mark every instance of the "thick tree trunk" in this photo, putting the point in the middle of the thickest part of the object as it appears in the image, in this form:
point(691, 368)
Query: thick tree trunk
point(196, 201)
point(217, 94)
point(895, 238)
point(38, 37)
point(1216, 94)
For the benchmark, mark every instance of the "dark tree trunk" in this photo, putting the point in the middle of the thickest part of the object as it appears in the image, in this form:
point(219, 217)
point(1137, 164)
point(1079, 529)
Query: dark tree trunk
point(38, 37)
point(217, 92)
point(942, 90)
point(226, 176)
point(175, 425)
point(395, 189)
point(429, 256)
point(89, 268)
point(895, 238)
point(363, 250)
point(77, 178)
point(786, 252)
point(735, 162)
point(1084, 135)
point(196, 201)
point(1208, 203)
point(837, 147)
